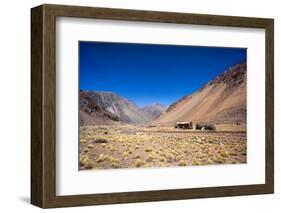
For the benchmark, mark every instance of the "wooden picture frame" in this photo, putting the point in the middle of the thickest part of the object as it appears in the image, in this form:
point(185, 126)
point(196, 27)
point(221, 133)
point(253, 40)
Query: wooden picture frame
point(43, 105)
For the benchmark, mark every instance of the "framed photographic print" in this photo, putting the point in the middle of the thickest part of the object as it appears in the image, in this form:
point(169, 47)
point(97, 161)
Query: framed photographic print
point(137, 106)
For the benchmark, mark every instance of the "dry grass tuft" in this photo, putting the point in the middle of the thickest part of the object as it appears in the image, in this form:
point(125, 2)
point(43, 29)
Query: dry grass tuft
point(182, 163)
point(223, 154)
point(100, 140)
point(86, 162)
point(219, 160)
point(83, 141)
point(195, 162)
point(137, 156)
point(89, 164)
point(89, 146)
point(148, 150)
point(125, 154)
point(139, 163)
point(101, 158)
point(113, 160)
point(162, 159)
point(115, 164)
point(86, 150)
point(112, 148)
point(150, 158)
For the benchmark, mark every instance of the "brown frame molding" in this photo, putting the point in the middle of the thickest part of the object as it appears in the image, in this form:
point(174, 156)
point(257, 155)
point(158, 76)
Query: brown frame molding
point(43, 105)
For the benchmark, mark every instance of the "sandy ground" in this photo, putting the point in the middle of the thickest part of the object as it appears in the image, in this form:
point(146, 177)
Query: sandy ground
point(108, 147)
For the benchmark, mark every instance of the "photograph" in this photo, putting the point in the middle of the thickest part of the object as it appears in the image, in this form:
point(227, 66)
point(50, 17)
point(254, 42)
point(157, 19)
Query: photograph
point(159, 105)
point(170, 105)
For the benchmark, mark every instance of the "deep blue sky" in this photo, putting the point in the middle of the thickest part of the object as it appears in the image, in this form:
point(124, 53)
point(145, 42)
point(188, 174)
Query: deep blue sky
point(149, 73)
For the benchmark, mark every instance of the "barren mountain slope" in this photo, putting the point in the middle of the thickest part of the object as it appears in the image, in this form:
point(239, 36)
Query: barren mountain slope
point(154, 110)
point(124, 110)
point(222, 100)
point(91, 113)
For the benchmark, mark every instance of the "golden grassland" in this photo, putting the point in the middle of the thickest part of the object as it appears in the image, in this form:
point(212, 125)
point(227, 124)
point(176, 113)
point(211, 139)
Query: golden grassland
point(128, 146)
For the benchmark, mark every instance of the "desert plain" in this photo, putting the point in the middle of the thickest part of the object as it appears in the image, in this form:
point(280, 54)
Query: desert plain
point(132, 146)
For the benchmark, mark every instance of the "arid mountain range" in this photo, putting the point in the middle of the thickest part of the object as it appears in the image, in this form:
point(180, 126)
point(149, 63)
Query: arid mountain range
point(154, 110)
point(221, 100)
point(109, 108)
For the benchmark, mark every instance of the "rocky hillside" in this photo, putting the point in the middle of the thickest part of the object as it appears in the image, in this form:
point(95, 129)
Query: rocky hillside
point(93, 113)
point(108, 107)
point(221, 100)
point(154, 110)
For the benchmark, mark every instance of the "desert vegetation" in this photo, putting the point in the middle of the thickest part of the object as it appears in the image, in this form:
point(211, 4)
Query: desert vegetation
point(131, 146)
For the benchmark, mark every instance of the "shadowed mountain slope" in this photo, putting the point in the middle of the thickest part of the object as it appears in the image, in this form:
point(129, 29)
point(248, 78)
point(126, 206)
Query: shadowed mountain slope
point(108, 107)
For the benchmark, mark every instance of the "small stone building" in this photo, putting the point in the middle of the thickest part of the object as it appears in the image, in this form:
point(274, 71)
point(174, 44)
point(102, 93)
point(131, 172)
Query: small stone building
point(205, 126)
point(184, 125)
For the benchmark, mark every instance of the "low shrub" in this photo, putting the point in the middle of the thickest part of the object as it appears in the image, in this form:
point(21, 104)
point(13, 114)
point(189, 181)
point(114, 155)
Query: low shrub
point(100, 140)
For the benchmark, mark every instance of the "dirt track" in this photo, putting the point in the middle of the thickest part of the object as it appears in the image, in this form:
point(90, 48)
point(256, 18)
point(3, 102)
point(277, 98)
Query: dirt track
point(197, 132)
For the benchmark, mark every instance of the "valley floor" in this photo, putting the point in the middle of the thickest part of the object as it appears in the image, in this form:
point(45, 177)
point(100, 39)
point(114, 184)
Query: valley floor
point(128, 146)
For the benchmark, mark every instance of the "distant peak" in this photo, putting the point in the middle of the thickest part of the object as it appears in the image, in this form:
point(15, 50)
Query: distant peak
point(155, 105)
